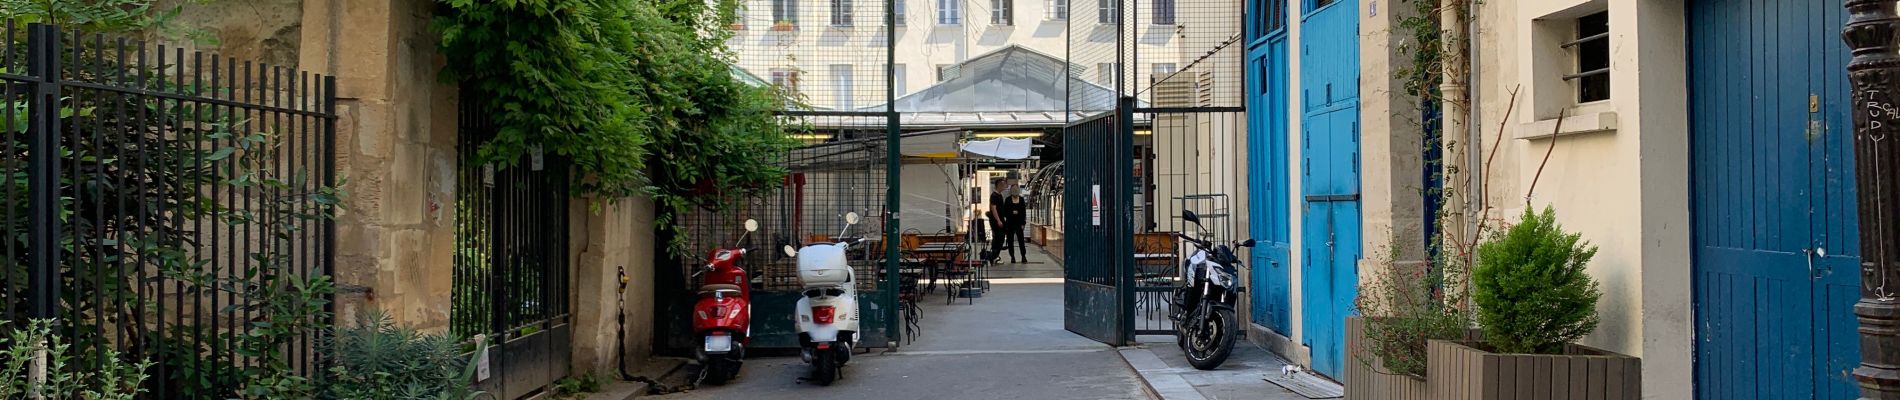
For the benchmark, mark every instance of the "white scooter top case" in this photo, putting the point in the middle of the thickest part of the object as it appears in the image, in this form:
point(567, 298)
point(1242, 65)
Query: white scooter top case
point(823, 265)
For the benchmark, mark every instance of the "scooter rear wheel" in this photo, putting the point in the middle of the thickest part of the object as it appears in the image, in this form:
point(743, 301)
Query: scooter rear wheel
point(824, 367)
point(719, 371)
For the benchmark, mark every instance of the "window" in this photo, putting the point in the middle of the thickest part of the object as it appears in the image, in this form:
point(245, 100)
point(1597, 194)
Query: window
point(1269, 17)
point(1163, 12)
point(1320, 3)
point(840, 12)
point(1058, 10)
point(1163, 68)
point(1002, 12)
point(1108, 12)
point(897, 79)
point(1592, 50)
point(949, 12)
point(841, 85)
point(785, 12)
point(785, 79)
point(946, 71)
point(1106, 73)
point(897, 13)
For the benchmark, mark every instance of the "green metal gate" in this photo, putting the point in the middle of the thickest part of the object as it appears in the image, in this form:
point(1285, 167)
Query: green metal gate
point(1097, 193)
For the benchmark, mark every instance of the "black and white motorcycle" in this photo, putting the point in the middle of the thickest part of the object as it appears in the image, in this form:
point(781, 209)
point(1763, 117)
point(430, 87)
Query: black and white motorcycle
point(1203, 309)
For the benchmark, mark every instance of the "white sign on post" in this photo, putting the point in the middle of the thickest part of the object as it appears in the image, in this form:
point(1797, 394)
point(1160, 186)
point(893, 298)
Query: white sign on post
point(481, 362)
point(1095, 204)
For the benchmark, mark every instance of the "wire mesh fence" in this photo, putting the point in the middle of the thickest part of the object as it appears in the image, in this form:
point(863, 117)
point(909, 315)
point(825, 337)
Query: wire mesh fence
point(167, 205)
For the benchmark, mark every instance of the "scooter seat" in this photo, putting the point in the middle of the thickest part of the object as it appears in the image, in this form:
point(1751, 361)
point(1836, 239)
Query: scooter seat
point(718, 287)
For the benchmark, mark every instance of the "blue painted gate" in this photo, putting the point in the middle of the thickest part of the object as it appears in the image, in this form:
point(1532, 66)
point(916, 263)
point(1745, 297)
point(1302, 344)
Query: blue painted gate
point(1267, 165)
point(1329, 81)
point(1775, 229)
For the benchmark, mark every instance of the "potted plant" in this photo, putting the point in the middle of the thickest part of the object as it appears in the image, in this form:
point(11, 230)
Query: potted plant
point(1401, 307)
point(783, 26)
point(1534, 300)
point(737, 26)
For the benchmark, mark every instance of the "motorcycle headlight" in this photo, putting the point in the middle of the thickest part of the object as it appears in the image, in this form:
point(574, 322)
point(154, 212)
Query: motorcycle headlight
point(1216, 276)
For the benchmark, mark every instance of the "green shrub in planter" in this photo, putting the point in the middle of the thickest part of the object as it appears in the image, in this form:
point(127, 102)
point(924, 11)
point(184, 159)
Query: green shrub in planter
point(1532, 291)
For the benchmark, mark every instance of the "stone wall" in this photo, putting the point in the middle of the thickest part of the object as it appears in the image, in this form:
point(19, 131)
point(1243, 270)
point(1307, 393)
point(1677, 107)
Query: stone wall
point(606, 241)
point(395, 150)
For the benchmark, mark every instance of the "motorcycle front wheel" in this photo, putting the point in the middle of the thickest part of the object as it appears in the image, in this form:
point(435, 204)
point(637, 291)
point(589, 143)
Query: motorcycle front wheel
point(824, 365)
point(1209, 344)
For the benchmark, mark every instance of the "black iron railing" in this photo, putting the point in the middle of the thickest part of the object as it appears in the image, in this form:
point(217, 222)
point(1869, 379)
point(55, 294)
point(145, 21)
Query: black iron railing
point(150, 194)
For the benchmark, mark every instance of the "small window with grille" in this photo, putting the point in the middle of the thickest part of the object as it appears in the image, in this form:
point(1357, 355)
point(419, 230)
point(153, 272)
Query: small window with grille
point(840, 12)
point(1002, 12)
point(949, 12)
point(1591, 48)
point(1108, 12)
point(1058, 10)
point(1163, 11)
point(785, 12)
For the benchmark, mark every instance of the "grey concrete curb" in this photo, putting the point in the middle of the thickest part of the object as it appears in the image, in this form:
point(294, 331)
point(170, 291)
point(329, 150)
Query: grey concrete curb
point(1157, 378)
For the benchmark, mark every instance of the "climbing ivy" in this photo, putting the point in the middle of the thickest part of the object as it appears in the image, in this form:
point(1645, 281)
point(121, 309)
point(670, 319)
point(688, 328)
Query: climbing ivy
point(637, 93)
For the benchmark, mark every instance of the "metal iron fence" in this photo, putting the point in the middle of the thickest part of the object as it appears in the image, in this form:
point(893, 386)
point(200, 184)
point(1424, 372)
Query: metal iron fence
point(152, 197)
point(511, 260)
point(841, 170)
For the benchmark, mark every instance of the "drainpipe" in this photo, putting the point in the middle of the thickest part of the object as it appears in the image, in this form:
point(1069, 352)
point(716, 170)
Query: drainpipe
point(1870, 34)
point(1452, 88)
point(1474, 159)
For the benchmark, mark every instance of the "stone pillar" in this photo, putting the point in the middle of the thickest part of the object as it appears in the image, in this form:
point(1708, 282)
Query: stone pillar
point(618, 237)
point(1870, 33)
point(396, 149)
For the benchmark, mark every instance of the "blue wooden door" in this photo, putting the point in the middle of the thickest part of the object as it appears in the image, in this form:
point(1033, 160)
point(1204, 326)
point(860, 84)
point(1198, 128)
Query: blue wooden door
point(1330, 240)
point(1267, 166)
point(1775, 243)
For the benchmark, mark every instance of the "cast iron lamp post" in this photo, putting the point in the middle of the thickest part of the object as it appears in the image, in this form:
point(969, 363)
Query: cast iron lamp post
point(1870, 34)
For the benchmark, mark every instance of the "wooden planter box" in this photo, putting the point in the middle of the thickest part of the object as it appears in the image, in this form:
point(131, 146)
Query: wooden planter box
point(1366, 382)
point(1458, 370)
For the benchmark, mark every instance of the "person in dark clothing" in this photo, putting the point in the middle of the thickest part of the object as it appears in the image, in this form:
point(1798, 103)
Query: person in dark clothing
point(1015, 215)
point(995, 217)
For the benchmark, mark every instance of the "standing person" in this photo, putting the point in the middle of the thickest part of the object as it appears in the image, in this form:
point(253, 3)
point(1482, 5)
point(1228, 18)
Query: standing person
point(1015, 216)
point(994, 213)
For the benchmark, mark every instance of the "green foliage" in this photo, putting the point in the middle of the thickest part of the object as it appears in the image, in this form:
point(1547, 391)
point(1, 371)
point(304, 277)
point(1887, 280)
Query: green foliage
point(36, 348)
point(1533, 293)
point(377, 359)
point(637, 93)
point(578, 385)
point(116, 16)
point(1407, 306)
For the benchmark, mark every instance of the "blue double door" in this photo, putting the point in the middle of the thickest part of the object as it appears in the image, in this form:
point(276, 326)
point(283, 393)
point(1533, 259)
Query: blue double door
point(1327, 168)
point(1776, 249)
point(1267, 176)
point(1329, 183)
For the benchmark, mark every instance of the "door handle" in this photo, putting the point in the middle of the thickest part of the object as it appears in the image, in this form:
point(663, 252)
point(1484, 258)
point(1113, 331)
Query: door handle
point(1811, 253)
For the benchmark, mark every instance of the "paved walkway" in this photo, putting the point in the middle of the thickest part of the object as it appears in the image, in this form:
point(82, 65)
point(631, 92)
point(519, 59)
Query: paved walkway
point(1163, 366)
point(1009, 345)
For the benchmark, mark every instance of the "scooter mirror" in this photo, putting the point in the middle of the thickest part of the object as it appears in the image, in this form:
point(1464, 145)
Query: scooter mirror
point(1189, 216)
point(790, 252)
point(751, 225)
point(851, 218)
point(1247, 243)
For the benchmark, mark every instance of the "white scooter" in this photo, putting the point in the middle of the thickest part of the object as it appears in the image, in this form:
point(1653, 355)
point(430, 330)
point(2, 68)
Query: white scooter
point(828, 312)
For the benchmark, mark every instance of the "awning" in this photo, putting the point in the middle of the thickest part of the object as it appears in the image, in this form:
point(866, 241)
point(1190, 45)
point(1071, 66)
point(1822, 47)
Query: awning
point(1004, 148)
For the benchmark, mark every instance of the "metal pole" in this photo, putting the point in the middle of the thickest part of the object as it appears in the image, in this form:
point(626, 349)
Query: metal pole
point(893, 178)
point(43, 171)
point(1870, 33)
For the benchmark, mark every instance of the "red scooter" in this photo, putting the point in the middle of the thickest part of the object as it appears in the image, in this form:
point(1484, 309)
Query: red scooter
point(723, 314)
